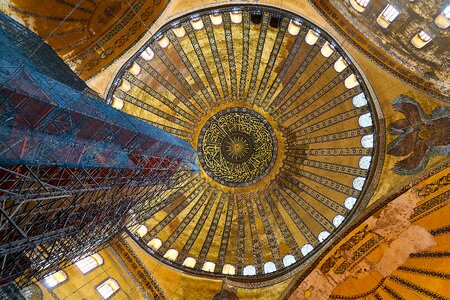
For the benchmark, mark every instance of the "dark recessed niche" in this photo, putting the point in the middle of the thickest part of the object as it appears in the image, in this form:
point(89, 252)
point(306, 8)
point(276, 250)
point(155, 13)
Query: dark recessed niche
point(274, 21)
point(255, 17)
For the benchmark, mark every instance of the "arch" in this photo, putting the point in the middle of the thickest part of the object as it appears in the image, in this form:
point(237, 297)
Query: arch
point(327, 49)
point(147, 54)
point(216, 19)
point(171, 254)
point(294, 27)
point(179, 31)
point(269, 267)
point(337, 220)
point(364, 162)
point(359, 100)
point(55, 279)
point(349, 202)
point(236, 16)
point(155, 244)
point(387, 16)
point(197, 23)
point(351, 81)
point(135, 69)
point(249, 271)
point(323, 236)
point(163, 41)
point(117, 103)
point(306, 249)
point(209, 266)
point(228, 269)
point(367, 141)
point(288, 260)
point(141, 231)
point(189, 262)
point(340, 65)
point(365, 120)
point(89, 263)
point(359, 5)
point(358, 183)
point(108, 288)
point(312, 37)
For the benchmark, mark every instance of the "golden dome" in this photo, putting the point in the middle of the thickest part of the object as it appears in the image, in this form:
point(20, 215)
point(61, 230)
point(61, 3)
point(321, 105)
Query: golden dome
point(284, 125)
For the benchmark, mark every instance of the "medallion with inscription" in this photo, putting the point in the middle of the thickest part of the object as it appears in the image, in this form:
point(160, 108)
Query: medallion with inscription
point(237, 147)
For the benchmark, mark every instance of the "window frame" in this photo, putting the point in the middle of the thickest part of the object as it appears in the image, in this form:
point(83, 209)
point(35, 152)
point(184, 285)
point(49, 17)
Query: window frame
point(92, 269)
point(104, 282)
point(59, 283)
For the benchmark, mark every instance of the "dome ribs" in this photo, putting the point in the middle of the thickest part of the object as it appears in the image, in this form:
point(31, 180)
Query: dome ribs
point(306, 85)
point(199, 202)
point(286, 114)
point(231, 58)
point(272, 59)
point(226, 232)
point(203, 63)
point(181, 79)
point(245, 53)
point(274, 106)
point(217, 60)
point(271, 239)
point(283, 124)
point(284, 68)
point(307, 233)
point(199, 83)
point(286, 233)
point(210, 196)
point(257, 59)
point(213, 227)
point(151, 71)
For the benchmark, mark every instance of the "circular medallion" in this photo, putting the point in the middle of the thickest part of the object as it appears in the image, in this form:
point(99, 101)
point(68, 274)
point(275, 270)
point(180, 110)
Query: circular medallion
point(237, 147)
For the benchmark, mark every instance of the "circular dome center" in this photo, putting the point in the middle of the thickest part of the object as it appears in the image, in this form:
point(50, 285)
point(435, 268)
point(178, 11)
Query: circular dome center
point(237, 147)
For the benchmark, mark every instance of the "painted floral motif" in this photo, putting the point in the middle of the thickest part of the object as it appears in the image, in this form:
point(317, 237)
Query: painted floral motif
point(419, 136)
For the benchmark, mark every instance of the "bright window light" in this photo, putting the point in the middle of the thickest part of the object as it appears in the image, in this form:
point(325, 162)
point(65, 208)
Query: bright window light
point(108, 288)
point(54, 279)
point(363, 3)
point(89, 263)
point(424, 36)
point(390, 13)
point(446, 12)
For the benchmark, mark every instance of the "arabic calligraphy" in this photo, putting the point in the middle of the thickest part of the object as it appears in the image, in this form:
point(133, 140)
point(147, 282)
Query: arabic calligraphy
point(237, 147)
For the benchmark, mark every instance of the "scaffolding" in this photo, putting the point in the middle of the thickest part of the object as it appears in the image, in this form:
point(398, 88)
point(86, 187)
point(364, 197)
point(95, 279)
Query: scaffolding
point(73, 171)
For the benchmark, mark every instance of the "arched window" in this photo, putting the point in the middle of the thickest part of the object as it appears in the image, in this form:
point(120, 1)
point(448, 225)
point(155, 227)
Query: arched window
point(443, 20)
point(228, 269)
point(349, 202)
point(288, 260)
point(55, 279)
point(141, 230)
point(249, 271)
point(323, 236)
point(171, 254)
point(155, 244)
point(421, 39)
point(108, 288)
point(89, 263)
point(387, 16)
point(358, 183)
point(189, 262)
point(306, 249)
point(337, 221)
point(269, 267)
point(359, 5)
point(209, 266)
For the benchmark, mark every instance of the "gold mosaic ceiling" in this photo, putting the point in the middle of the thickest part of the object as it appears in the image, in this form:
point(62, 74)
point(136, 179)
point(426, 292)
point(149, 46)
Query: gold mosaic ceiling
point(286, 134)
